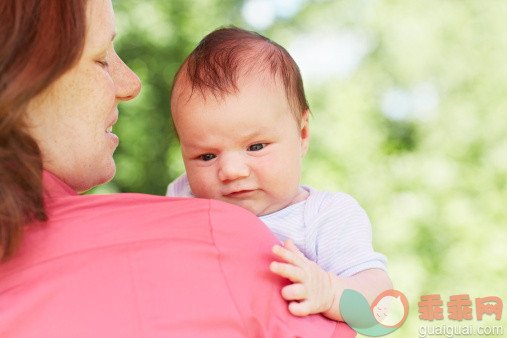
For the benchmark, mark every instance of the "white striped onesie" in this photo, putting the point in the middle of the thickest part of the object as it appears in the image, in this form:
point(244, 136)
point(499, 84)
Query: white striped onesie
point(330, 229)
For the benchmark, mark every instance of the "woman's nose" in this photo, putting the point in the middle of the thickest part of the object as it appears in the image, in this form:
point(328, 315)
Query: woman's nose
point(232, 167)
point(126, 81)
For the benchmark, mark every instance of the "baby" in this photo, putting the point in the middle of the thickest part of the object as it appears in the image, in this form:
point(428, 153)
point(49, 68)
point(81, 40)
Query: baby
point(242, 119)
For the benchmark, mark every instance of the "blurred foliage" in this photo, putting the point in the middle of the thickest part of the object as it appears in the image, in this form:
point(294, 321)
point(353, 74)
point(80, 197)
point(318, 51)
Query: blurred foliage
point(416, 131)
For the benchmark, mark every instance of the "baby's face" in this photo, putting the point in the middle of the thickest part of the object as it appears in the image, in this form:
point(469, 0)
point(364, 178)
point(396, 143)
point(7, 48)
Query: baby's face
point(244, 148)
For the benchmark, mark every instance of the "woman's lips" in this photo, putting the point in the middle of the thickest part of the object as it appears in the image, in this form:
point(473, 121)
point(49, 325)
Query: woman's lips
point(111, 122)
point(109, 130)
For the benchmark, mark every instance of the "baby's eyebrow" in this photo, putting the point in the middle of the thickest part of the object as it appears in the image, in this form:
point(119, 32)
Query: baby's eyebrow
point(196, 148)
point(253, 134)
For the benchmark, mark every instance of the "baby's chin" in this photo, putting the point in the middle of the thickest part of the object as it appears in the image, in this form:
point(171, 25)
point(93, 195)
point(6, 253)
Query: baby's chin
point(259, 211)
point(256, 210)
point(255, 207)
point(263, 208)
point(255, 203)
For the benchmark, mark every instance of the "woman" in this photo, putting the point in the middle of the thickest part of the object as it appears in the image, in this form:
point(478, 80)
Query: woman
point(125, 265)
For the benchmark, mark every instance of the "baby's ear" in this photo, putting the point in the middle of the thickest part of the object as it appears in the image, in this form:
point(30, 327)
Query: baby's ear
point(305, 131)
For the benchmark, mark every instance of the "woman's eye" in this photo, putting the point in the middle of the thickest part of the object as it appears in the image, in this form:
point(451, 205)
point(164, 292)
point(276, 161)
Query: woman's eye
point(103, 63)
point(207, 157)
point(256, 147)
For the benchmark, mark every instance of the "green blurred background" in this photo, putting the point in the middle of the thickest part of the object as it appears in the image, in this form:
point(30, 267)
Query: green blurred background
point(409, 103)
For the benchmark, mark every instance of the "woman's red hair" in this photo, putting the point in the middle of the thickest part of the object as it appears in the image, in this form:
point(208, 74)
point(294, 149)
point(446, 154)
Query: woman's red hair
point(39, 41)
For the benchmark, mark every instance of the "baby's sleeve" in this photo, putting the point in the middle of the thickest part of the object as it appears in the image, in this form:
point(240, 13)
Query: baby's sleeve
point(180, 187)
point(341, 237)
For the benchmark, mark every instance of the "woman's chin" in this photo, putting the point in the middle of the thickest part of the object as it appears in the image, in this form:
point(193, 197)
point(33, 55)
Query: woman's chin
point(107, 174)
point(94, 177)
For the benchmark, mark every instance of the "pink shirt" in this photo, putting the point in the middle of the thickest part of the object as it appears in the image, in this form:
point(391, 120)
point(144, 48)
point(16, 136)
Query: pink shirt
point(133, 265)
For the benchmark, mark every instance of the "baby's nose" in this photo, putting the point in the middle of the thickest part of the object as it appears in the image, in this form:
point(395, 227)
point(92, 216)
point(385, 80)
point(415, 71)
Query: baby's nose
point(232, 167)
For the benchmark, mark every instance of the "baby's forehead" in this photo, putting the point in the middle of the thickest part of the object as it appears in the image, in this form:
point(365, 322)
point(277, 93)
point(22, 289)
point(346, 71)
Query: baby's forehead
point(185, 90)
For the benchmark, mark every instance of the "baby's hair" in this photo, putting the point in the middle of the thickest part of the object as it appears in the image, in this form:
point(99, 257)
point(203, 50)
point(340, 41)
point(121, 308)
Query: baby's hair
point(225, 54)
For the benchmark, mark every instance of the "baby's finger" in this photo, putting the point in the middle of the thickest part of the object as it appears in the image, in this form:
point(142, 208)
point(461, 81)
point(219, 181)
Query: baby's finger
point(294, 291)
point(291, 272)
point(299, 309)
point(286, 255)
point(289, 245)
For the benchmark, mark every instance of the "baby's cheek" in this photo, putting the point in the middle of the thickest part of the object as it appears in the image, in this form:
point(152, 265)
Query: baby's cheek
point(269, 169)
point(202, 184)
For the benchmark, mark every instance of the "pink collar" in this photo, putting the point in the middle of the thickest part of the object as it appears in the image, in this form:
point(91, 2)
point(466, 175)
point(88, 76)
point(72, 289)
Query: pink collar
point(55, 187)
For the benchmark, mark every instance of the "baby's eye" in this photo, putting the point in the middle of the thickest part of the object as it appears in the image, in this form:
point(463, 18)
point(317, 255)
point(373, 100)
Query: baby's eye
point(256, 147)
point(207, 157)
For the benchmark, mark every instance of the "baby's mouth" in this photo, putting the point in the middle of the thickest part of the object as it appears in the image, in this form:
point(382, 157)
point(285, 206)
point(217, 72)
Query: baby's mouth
point(239, 193)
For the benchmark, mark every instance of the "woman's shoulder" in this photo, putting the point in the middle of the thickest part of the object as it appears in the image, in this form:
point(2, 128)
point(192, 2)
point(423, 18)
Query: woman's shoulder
point(80, 223)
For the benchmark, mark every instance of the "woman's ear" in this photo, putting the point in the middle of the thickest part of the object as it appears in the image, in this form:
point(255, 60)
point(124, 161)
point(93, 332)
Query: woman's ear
point(305, 131)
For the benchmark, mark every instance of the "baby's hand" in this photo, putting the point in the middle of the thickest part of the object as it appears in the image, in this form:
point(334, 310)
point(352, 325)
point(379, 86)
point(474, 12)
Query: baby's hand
point(312, 289)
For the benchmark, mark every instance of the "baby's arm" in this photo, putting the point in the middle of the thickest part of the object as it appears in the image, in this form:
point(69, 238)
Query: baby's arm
point(317, 291)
